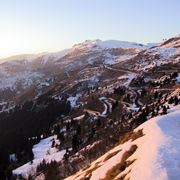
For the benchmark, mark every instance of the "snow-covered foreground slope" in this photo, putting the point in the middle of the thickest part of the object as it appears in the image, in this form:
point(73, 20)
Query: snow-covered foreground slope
point(158, 151)
point(156, 157)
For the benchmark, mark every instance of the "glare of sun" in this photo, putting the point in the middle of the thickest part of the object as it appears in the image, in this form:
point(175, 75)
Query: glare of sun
point(13, 41)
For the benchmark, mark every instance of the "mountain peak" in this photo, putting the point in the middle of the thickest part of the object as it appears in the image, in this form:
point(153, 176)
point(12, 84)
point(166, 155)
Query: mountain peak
point(88, 44)
point(172, 42)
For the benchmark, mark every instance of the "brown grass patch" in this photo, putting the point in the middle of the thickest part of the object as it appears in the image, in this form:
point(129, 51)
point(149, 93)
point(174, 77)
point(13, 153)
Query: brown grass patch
point(131, 136)
point(110, 155)
point(120, 167)
point(123, 176)
point(88, 173)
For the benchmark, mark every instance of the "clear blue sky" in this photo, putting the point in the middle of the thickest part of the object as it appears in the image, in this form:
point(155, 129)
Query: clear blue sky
point(49, 25)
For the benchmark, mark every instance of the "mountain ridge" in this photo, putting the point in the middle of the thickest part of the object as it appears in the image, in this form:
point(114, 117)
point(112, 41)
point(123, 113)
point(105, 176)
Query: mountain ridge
point(98, 42)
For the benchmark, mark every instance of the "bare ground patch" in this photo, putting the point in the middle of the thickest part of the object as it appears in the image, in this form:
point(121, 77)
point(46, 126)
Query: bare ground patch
point(131, 136)
point(120, 167)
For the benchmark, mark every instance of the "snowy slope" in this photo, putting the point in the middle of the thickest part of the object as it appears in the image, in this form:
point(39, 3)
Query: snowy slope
point(42, 151)
point(21, 57)
point(156, 157)
point(164, 53)
point(158, 151)
point(50, 57)
point(26, 79)
point(119, 44)
point(45, 56)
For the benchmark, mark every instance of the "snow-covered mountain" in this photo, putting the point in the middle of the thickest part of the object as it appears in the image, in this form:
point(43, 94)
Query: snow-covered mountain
point(161, 54)
point(38, 60)
point(88, 44)
point(99, 110)
point(109, 44)
point(20, 72)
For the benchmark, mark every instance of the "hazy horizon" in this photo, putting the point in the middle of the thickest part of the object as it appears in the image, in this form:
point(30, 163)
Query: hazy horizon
point(55, 51)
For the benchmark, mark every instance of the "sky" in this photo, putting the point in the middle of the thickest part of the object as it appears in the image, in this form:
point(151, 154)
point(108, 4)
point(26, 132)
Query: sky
point(34, 26)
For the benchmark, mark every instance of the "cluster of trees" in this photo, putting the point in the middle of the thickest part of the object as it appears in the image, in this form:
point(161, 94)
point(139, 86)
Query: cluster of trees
point(24, 126)
point(50, 170)
point(76, 134)
point(174, 100)
point(165, 80)
point(120, 90)
point(139, 81)
point(155, 108)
